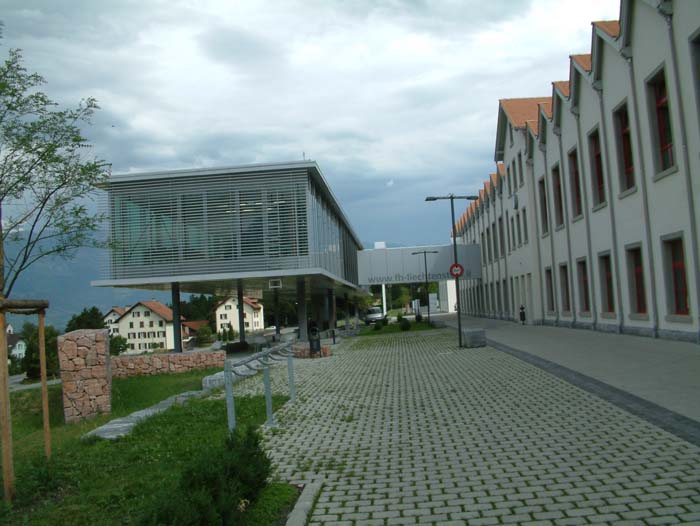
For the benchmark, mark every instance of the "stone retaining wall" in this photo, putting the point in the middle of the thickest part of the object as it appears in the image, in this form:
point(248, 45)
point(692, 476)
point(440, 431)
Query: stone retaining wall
point(148, 364)
point(301, 350)
point(83, 358)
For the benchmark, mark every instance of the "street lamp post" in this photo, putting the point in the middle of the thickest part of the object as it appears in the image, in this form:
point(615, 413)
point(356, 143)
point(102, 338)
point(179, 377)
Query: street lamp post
point(425, 263)
point(452, 198)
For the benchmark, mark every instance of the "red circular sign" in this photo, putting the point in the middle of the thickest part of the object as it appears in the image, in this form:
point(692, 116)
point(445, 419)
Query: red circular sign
point(456, 270)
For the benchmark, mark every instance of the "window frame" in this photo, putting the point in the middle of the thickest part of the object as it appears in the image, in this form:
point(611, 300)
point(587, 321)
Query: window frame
point(625, 151)
point(597, 169)
point(564, 287)
point(677, 275)
point(584, 288)
point(637, 288)
point(558, 197)
point(575, 181)
point(549, 290)
point(607, 283)
point(662, 124)
point(544, 213)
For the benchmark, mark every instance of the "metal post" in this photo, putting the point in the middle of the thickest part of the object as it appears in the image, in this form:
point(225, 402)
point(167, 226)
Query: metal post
point(427, 293)
point(290, 373)
point(8, 472)
point(230, 407)
point(177, 328)
point(44, 387)
point(454, 246)
point(384, 299)
point(241, 312)
point(268, 396)
point(301, 310)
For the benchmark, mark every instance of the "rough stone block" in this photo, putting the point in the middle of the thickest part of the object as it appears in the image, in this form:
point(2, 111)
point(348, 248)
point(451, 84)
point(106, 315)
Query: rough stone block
point(473, 338)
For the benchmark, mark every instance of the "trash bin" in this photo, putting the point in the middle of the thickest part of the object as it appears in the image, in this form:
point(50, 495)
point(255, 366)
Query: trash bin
point(314, 341)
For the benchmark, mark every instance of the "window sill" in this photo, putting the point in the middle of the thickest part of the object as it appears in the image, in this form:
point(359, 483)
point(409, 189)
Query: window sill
point(668, 171)
point(544, 235)
point(600, 206)
point(679, 318)
point(638, 316)
point(559, 227)
point(577, 218)
point(551, 313)
point(584, 314)
point(566, 314)
point(608, 315)
point(628, 192)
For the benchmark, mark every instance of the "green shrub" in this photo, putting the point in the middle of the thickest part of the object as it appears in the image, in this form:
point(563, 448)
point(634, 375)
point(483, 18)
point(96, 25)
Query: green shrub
point(405, 324)
point(378, 326)
point(399, 317)
point(419, 318)
point(30, 335)
point(117, 345)
point(218, 487)
point(204, 336)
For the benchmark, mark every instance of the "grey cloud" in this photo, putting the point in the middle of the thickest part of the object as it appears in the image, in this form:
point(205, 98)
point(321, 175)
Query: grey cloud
point(239, 48)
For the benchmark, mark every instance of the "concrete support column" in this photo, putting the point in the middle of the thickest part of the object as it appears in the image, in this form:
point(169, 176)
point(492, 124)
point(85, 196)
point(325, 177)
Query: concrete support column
point(276, 299)
point(241, 311)
point(326, 312)
point(347, 311)
point(332, 313)
point(301, 310)
point(177, 328)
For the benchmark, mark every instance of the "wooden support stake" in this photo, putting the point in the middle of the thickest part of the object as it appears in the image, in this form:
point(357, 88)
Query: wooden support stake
point(44, 387)
point(8, 471)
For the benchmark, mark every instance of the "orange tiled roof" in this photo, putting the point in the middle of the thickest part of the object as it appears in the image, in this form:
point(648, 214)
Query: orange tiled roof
point(583, 60)
point(547, 109)
point(611, 27)
point(253, 303)
point(195, 325)
point(494, 179)
point(119, 310)
point(501, 169)
point(520, 111)
point(534, 125)
point(161, 310)
point(563, 87)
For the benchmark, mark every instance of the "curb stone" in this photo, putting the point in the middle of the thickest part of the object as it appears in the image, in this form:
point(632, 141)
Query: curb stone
point(305, 504)
point(120, 427)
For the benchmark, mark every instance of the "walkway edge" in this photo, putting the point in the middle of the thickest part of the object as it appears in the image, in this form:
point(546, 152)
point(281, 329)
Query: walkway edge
point(670, 421)
point(305, 504)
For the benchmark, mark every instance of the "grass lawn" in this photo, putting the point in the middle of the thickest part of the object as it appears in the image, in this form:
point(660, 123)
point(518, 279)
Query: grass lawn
point(394, 328)
point(101, 482)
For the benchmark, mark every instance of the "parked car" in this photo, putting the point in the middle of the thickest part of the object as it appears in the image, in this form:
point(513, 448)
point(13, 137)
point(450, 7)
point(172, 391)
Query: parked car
point(373, 315)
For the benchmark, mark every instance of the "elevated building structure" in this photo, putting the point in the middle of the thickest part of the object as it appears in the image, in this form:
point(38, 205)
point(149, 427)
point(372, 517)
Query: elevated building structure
point(275, 228)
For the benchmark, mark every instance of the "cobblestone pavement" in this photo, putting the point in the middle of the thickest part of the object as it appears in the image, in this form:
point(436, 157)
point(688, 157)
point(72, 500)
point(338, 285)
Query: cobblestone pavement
point(408, 429)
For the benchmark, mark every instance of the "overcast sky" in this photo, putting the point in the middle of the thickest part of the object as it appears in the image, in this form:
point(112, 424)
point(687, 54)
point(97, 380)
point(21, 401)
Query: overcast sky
point(394, 100)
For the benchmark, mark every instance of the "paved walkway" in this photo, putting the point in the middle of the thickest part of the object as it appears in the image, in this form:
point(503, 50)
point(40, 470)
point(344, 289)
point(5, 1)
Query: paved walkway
point(411, 430)
point(664, 372)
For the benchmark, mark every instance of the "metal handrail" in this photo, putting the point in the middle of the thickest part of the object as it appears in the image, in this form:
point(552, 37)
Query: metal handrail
point(260, 361)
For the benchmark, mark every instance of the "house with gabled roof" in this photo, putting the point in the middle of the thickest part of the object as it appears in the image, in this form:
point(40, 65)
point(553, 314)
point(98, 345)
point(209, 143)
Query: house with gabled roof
point(227, 315)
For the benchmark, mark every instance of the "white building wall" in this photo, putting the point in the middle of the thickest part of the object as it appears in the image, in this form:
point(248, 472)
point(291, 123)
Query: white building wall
point(145, 330)
point(227, 314)
point(661, 203)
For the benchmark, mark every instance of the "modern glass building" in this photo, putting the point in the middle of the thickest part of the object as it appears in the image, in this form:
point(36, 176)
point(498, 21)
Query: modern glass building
point(229, 229)
point(203, 227)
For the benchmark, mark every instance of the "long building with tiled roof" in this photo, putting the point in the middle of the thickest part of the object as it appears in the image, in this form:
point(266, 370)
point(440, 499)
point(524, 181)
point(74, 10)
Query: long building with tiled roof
point(591, 218)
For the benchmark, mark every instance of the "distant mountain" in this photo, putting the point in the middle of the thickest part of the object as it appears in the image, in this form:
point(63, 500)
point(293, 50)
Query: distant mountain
point(66, 284)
